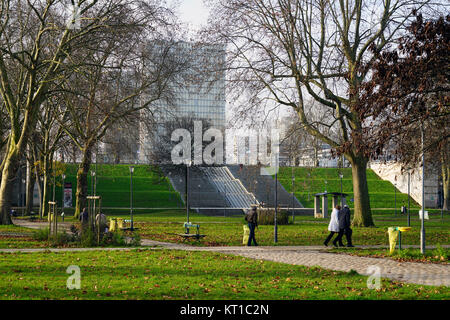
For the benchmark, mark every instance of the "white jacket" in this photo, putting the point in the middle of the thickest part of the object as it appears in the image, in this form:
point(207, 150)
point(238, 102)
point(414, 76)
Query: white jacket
point(334, 222)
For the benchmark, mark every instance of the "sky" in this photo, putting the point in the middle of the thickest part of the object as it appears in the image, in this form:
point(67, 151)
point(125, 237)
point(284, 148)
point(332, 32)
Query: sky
point(193, 12)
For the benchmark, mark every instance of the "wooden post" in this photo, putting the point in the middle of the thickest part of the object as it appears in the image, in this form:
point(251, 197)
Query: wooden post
point(324, 206)
point(316, 206)
point(335, 201)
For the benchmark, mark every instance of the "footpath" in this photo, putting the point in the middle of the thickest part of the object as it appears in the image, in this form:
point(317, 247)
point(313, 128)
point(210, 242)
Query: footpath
point(410, 272)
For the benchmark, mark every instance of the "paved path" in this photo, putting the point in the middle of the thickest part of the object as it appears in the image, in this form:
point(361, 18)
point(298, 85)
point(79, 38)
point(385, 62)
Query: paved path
point(411, 272)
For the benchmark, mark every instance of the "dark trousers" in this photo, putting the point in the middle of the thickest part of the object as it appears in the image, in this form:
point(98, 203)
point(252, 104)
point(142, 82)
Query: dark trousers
point(332, 233)
point(348, 235)
point(251, 236)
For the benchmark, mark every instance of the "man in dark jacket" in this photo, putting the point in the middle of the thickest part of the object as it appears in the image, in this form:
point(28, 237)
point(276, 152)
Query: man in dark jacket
point(84, 218)
point(344, 227)
point(252, 218)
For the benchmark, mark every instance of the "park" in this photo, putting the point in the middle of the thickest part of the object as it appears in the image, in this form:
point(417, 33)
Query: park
point(258, 160)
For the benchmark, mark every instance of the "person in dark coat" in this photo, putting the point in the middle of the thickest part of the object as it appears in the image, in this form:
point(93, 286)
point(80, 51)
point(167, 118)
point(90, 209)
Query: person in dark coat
point(344, 227)
point(252, 218)
point(84, 218)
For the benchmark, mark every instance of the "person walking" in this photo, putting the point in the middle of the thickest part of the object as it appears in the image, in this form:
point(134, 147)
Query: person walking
point(333, 226)
point(344, 227)
point(101, 222)
point(252, 218)
point(84, 216)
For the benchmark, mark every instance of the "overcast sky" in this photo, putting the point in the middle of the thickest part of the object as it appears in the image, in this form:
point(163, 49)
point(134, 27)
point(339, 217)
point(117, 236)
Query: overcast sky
point(193, 12)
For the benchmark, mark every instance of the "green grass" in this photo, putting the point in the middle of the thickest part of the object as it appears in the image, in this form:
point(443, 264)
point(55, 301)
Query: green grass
point(165, 275)
point(163, 225)
point(227, 231)
point(113, 184)
point(309, 181)
point(436, 255)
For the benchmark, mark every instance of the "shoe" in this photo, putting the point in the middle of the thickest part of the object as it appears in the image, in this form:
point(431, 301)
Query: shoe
point(335, 245)
point(341, 245)
point(350, 246)
point(325, 244)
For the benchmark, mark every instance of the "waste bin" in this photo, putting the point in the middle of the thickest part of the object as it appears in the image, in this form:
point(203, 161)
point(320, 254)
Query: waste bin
point(115, 224)
point(394, 233)
point(246, 234)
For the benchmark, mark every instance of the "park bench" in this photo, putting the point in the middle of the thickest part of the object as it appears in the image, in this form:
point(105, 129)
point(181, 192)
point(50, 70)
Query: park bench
point(187, 235)
point(33, 216)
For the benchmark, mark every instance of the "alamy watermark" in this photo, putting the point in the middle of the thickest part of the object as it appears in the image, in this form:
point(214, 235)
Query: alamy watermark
point(256, 152)
point(74, 281)
point(374, 280)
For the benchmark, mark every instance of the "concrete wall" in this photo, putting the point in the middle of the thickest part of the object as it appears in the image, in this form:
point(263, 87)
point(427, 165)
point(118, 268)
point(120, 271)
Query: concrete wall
point(391, 171)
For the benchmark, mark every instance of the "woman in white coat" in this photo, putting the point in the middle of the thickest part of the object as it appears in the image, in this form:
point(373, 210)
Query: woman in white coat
point(333, 226)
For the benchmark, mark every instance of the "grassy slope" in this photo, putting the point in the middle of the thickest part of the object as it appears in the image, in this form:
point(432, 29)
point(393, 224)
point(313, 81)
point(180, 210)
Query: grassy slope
point(113, 184)
point(309, 181)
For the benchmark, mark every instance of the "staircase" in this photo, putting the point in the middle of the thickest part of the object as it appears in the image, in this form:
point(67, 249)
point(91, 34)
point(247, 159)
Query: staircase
point(263, 187)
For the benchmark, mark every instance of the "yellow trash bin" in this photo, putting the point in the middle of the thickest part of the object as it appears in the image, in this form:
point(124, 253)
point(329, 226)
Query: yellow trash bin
point(246, 234)
point(393, 235)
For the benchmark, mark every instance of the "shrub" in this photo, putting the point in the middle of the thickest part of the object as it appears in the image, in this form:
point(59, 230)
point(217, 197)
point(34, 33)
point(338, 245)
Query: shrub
point(41, 234)
point(267, 217)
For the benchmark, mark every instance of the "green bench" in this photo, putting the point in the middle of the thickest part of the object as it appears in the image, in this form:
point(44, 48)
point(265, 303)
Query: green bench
point(187, 235)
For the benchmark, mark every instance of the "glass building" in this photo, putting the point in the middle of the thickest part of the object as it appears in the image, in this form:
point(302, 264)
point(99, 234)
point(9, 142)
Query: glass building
point(198, 93)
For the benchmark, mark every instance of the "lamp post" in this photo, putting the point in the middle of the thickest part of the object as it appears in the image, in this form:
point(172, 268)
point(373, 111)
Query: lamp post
point(293, 196)
point(395, 198)
point(92, 182)
point(441, 199)
point(422, 223)
point(188, 164)
point(341, 176)
point(63, 176)
point(131, 197)
point(276, 209)
point(409, 197)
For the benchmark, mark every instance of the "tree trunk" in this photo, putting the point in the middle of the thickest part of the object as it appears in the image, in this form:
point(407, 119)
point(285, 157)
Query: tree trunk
point(6, 186)
point(31, 181)
point(363, 215)
point(446, 184)
point(45, 192)
point(82, 181)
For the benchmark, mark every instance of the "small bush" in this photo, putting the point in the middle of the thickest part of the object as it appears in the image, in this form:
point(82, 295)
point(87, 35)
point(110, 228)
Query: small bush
point(41, 234)
point(267, 217)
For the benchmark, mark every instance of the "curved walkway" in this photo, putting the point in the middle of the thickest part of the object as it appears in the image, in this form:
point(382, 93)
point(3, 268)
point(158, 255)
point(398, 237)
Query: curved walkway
point(411, 272)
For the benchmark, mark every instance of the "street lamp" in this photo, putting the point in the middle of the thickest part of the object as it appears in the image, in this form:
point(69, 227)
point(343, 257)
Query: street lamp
point(92, 182)
point(63, 176)
point(409, 197)
point(422, 224)
point(395, 198)
point(293, 196)
point(188, 164)
point(131, 197)
point(341, 176)
point(275, 222)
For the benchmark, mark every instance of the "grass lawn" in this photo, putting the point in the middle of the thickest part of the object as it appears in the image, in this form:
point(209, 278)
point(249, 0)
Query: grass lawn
point(162, 274)
point(437, 255)
point(309, 181)
point(113, 184)
point(228, 231)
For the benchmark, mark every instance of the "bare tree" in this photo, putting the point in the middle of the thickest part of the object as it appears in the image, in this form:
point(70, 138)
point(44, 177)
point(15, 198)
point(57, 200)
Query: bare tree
point(282, 52)
point(122, 79)
point(37, 43)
